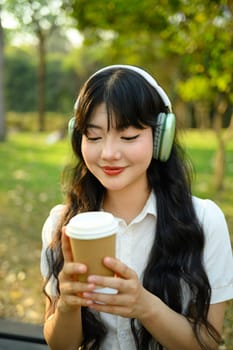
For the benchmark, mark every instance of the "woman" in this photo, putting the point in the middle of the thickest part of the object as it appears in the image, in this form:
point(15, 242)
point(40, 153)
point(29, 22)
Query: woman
point(173, 259)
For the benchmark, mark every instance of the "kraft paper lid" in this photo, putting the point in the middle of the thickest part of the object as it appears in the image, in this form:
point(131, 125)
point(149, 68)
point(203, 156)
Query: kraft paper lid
point(92, 225)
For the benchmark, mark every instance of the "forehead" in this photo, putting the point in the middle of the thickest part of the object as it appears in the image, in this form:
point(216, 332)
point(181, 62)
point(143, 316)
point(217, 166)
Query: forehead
point(100, 116)
point(99, 113)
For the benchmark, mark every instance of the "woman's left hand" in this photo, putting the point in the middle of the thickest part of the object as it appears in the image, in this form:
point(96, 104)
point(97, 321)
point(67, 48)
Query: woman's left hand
point(132, 299)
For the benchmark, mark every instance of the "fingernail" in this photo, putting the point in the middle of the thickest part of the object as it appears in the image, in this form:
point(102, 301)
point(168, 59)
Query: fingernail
point(91, 286)
point(108, 260)
point(86, 295)
point(80, 268)
point(91, 279)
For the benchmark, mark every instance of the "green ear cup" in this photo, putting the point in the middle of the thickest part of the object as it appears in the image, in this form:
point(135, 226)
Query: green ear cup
point(164, 136)
point(71, 127)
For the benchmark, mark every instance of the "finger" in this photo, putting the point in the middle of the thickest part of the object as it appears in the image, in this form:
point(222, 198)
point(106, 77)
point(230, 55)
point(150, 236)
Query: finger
point(108, 282)
point(111, 309)
point(66, 302)
point(66, 248)
point(71, 269)
point(118, 267)
point(108, 299)
point(75, 288)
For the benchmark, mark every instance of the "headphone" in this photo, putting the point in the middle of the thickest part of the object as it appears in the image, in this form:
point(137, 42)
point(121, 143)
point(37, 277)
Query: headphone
point(164, 132)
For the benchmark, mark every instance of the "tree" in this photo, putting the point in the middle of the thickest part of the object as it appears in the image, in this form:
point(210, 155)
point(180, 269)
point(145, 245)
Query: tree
point(2, 111)
point(207, 71)
point(199, 34)
point(40, 18)
point(132, 28)
point(20, 79)
point(62, 78)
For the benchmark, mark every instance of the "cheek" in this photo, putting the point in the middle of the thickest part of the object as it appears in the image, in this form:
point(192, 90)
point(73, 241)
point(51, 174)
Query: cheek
point(150, 145)
point(144, 154)
point(89, 152)
point(144, 150)
point(84, 150)
point(141, 155)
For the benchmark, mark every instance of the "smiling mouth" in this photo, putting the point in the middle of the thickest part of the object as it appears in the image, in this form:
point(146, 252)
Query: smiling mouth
point(112, 170)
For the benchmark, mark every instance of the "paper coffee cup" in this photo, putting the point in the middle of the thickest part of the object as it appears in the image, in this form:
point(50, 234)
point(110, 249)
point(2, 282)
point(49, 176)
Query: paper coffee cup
point(92, 237)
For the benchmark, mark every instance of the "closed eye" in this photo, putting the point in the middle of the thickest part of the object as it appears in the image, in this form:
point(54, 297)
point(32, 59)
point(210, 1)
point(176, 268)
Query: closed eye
point(93, 138)
point(129, 138)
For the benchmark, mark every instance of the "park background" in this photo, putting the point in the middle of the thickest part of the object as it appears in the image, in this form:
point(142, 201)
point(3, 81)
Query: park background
point(47, 50)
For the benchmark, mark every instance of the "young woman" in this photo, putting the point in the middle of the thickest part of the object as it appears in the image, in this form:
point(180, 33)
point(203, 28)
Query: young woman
point(173, 260)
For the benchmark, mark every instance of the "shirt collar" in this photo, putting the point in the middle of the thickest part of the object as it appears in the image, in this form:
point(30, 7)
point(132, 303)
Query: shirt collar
point(151, 204)
point(149, 208)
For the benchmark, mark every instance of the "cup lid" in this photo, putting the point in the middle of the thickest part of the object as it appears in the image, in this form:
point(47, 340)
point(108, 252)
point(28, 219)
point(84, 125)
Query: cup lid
point(92, 225)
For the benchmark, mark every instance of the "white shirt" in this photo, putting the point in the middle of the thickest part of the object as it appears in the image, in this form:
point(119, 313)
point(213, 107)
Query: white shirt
point(133, 245)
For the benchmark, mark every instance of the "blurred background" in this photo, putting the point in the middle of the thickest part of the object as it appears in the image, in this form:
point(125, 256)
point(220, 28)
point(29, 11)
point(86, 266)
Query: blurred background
point(47, 50)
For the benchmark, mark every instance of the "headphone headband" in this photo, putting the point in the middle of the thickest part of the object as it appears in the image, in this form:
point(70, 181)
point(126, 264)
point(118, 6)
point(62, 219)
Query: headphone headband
point(145, 75)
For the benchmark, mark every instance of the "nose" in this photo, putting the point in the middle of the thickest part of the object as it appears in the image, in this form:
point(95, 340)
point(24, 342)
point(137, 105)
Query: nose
point(111, 150)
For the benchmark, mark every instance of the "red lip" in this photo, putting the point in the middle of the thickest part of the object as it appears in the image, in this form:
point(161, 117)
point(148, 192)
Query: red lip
point(109, 170)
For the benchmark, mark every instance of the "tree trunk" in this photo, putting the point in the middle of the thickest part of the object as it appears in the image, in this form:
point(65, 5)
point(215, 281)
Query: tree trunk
point(2, 110)
point(202, 112)
point(41, 82)
point(219, 169)
point(229, 134)
point(219, 166)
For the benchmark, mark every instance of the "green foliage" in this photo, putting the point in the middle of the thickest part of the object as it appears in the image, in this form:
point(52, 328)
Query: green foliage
point(120, 15)
point(62, 83)
point(27, 121)
point(20, 80)
point(210, 36)
point(187, 46)
point(196, 35)
point(194, 89)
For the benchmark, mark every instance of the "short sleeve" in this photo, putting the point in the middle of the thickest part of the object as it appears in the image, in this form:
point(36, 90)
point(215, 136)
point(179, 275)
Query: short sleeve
point(48, 232)
point(218, 259)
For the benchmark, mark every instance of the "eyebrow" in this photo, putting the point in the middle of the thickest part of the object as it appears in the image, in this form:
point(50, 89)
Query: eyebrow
point(94, 126)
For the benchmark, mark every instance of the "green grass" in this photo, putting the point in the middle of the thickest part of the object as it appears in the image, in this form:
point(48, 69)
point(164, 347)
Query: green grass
point(29, 187)
point(201, 147)
point(30, 170)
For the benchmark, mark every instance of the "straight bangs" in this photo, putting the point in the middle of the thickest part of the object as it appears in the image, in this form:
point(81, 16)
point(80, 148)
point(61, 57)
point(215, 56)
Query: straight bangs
point(91, 95)
point(130, 100)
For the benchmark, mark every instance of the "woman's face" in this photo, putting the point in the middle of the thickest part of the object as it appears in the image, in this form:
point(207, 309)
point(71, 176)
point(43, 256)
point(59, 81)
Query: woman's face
point(118, 159)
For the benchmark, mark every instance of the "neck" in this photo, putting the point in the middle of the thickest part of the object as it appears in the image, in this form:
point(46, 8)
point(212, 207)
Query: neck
point(125, 206)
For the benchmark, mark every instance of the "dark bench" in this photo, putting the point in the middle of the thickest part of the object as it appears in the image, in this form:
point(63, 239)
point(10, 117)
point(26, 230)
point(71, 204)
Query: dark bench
point(21, 336)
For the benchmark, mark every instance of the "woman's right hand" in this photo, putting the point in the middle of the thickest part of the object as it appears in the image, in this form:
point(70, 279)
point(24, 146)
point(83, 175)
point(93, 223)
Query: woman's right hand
point(71, 289)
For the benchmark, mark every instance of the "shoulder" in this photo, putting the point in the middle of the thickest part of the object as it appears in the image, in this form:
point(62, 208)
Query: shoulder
point(209, 214)
point(217, 257)
point(215, 228)
point(51, 223)
point(205, 206)
point(55, 212)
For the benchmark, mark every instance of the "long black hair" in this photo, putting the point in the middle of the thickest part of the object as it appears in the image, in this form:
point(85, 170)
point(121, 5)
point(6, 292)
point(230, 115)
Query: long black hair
point(175, 261)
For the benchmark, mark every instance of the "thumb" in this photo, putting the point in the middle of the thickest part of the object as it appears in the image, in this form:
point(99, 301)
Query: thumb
point(66, 247)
